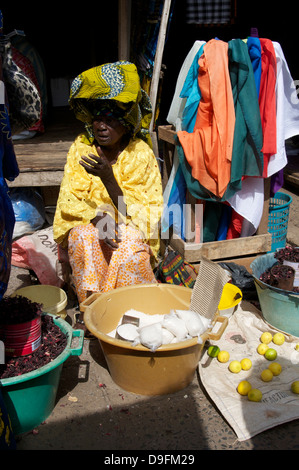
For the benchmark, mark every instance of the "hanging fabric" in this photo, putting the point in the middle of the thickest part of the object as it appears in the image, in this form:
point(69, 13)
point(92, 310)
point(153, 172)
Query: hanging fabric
point(209, 12)
point(267, 101)
point(266, 114)
point(208, 149)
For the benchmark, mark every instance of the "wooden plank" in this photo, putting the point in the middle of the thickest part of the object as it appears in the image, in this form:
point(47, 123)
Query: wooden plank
point(158, 59)
point(237, 247)
point(37, 178)
point(41, 159)
point(167, 133)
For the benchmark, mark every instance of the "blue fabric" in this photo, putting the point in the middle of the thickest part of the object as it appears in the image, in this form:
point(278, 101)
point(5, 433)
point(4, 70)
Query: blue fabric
point(224, 222)
point(255, 54)
point(173, 213)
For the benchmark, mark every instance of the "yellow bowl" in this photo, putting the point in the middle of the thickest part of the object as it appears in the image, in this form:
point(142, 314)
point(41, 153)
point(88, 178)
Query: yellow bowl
point(136, 368)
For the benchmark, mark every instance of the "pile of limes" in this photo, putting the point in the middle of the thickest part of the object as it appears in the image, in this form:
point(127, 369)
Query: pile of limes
point(274, 369)
point(264, 348)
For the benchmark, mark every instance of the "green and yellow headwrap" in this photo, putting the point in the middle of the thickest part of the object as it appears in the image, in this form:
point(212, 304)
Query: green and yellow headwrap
point(119, 84)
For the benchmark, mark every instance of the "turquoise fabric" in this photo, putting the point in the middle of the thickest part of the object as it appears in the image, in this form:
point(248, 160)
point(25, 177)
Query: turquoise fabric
point(191, 92)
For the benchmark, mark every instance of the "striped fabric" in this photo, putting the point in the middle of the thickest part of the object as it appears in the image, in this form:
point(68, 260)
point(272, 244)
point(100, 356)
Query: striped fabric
point(173, 270)
point(208, 11)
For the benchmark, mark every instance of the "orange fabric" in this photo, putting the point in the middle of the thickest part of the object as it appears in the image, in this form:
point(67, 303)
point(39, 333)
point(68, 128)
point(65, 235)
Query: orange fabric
point(267, 101)
point(208, 149)
point(97, 268)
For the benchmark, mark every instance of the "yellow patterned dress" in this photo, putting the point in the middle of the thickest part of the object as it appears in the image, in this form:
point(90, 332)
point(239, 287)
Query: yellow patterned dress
point(96, 267)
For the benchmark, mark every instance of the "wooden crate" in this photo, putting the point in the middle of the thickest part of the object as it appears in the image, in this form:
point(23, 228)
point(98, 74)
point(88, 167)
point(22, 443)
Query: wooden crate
point(245, 248)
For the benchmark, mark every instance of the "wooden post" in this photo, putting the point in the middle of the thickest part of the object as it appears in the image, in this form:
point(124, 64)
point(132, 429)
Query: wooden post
point(124, 29)
point(158, 58)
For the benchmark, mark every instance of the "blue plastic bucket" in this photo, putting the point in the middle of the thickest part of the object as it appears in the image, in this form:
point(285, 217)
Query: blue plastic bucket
point(30, 398)
point(280, 308)
point(279, 207)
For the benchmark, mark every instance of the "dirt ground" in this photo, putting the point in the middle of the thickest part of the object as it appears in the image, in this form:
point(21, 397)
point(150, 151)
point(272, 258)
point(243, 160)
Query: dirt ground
point(93, 413)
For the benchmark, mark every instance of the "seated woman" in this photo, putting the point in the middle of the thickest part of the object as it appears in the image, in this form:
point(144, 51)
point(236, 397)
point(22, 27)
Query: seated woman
point(110, 199)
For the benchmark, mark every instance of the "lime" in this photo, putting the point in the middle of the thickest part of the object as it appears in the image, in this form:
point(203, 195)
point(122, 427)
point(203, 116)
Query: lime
point(246, 363)
point(244, 387)
point(295, 386)
point(255, 394)
point(213, 351)
point(235, 367)
point(270, 354)
point(297, 347)
point(275, 368)
point(262, 348)
point(223, 356)
point(278, 339)
point(266, 337)
point(267, 375)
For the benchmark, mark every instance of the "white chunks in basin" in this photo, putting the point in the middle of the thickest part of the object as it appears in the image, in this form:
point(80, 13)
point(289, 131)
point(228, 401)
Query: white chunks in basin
point(175, 325)
point(157, 330)
point(150, 336)
point(167, 336)
point(196, 324)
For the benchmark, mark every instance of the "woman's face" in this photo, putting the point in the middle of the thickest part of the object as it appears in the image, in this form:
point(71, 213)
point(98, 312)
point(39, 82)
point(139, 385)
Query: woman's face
point(107, 130)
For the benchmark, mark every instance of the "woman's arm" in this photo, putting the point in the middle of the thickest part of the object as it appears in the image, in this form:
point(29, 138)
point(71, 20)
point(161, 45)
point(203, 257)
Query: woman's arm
point(101, 167)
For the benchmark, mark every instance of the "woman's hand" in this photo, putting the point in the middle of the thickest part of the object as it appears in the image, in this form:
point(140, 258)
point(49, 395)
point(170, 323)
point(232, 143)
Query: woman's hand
point(108, 229)
point(98, 166)
point(101, 167)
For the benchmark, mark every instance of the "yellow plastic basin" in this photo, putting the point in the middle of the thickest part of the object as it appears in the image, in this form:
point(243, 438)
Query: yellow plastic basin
point(136, 368)
point(53, 298)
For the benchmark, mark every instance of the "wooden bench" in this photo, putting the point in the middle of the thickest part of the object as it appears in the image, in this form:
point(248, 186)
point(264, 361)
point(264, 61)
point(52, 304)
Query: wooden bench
point(41, 159)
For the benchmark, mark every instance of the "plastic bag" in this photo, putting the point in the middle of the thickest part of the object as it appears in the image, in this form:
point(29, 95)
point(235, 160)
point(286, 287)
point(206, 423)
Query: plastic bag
point(242, 279)
point(38, 252)
point(29, 210)
point(150, 336)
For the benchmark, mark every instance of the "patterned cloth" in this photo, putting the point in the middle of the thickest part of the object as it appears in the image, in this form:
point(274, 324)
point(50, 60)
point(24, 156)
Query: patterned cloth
point(209, 11)
point(97, 268)
point(174, 270)
point(26, 66)
point(118, 82)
